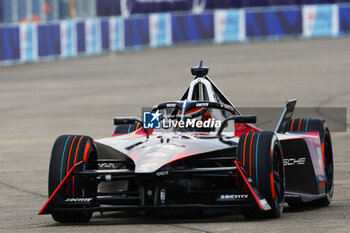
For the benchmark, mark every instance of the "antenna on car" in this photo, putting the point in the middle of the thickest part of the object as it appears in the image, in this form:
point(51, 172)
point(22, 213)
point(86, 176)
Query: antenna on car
point(200, 71)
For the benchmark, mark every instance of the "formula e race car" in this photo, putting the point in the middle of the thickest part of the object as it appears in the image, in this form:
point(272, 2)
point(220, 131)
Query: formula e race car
point(199, 153)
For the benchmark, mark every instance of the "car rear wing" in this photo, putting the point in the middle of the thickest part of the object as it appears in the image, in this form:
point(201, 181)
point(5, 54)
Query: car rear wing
point(286, 115)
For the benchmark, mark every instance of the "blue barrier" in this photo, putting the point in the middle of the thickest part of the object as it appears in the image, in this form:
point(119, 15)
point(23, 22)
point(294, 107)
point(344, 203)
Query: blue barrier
point(229, 25)
point(28, 42)
point(93, 36)
point(69, 38)
point(160, 27)
point(193, 28)
point(275, 23)
point(344, 19)
point(9, 43)
point(81, 41)
point(318, 20)
point(49, 40)
point(68, 43)
point(136, 31)
point(105, 34)
point(116, 29)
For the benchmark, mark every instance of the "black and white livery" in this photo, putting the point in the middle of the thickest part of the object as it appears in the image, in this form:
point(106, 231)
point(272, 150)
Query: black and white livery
point(196, 166)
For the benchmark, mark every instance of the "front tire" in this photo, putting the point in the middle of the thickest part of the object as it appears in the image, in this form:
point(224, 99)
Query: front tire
point(260, 154)
point(68, 150)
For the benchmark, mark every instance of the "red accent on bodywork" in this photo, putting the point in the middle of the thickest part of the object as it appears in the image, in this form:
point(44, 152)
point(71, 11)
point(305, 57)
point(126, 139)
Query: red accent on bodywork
point(142, 132)
point(242, 128)
point(59, 186)
point(250, 188)
point(139, 131)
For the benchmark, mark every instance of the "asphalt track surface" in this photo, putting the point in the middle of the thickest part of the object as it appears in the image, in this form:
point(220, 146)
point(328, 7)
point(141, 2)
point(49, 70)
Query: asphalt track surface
point(39, 102)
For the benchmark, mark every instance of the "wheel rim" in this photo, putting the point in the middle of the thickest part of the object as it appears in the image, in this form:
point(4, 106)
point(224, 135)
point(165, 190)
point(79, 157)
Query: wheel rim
point(278, 178)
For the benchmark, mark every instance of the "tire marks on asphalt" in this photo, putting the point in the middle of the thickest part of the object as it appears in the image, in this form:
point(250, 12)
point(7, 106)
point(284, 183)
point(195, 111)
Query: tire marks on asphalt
point(20, 189)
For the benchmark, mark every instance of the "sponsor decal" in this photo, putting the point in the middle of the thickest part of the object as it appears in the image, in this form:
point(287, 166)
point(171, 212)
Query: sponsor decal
point(294, 161)
point(28, 42)
point(229, 25)
point(202, 105)
point(232, 197)
point(162, 196)
point(93, 36)
point(320, 20)
point(263, 202)
point(319, 152)
point(116, 33)
point(292, 195)
point(160, 29)
point(107, 165)
point(68, 39)
point(78, 200)
point(170, 105)
point(162, 173)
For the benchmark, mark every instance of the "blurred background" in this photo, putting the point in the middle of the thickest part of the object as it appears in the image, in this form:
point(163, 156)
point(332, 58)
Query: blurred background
point(13, 11)
point(33, 30)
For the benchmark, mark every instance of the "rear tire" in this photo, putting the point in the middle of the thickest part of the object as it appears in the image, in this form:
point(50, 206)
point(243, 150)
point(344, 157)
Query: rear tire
point(261, 156)
point(312, 125)
point(68, 150)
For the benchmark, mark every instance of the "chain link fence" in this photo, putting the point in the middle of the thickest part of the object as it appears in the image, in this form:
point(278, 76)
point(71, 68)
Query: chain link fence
point(13, 11)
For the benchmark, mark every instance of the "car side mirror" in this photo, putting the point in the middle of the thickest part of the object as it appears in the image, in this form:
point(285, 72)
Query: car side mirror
point(126, 120)
point(237, 119)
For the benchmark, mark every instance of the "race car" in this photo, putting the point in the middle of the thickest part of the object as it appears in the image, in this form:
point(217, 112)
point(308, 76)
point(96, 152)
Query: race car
point(196, 154)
